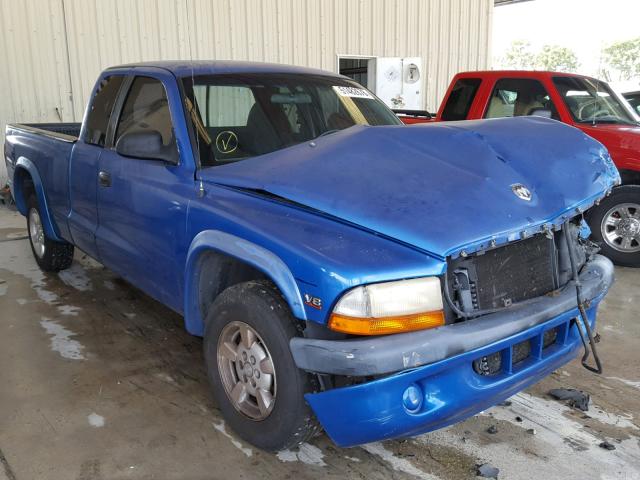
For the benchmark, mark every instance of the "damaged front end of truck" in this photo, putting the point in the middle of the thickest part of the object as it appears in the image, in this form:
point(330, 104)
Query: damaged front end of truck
point(513, 316)
point(515, 282)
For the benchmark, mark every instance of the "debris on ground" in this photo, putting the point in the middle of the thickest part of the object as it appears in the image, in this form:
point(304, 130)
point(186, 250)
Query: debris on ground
point(506, 403)
point(487, 471)
point(532, 431)
point(607, 446)
point(574, 398)
point(518, 419)
point(492, 429)
point(5, 195)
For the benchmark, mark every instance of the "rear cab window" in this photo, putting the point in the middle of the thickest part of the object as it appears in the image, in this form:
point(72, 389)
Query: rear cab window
point(460, 99)
point(235, 117)
point(516, 97)
point(225, 105)
point(100, 109)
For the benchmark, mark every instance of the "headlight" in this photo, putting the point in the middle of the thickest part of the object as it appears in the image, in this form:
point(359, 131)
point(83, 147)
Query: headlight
point(392, 307)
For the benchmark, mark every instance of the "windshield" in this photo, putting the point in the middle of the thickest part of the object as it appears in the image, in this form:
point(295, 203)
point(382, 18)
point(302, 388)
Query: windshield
point(634, 100)
point(592, 101)
point(240, 116)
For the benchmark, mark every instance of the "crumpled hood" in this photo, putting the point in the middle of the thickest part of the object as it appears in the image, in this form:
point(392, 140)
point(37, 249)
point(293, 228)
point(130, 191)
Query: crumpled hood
point(439, 187)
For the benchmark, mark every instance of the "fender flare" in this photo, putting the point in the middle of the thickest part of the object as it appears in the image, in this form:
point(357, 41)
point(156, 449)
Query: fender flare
point(47, 221)
point(243, 250)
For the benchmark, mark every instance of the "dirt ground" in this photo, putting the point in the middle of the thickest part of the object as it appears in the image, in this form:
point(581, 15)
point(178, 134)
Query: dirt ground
point(98, 381)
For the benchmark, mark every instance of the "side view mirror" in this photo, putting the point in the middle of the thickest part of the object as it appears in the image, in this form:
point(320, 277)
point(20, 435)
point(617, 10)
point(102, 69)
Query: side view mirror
point(541, 112)
point(148, 145)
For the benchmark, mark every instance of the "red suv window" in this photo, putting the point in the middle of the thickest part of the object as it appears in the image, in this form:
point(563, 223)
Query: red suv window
point(460, 99)
point(516, 97)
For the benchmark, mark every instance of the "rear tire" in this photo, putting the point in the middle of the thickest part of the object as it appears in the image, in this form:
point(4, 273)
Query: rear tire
point(51, 256)
point(247, 334)
point(615, 224)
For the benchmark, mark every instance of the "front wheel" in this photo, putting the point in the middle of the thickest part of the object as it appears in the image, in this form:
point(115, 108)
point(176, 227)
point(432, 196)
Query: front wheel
point(51, 256)
point(615, 224)
point(255, 381)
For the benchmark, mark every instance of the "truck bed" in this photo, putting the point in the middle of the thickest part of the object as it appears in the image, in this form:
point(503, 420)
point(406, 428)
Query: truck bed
point(45, 149)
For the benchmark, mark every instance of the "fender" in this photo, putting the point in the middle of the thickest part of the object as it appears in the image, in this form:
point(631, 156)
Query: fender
point(255, 255)
point(47, 222)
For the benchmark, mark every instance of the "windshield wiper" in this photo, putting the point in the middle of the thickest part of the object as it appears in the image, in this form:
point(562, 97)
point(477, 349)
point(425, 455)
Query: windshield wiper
point(328, 132)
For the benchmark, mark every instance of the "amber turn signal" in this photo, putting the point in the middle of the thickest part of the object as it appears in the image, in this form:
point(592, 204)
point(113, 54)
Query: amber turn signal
point(386, 325)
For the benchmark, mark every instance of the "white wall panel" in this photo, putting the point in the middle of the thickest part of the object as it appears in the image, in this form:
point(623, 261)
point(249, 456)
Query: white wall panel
point(51, 51)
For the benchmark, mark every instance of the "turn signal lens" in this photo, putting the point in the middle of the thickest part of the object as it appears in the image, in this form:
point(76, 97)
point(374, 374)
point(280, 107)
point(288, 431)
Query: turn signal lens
point(385, 325)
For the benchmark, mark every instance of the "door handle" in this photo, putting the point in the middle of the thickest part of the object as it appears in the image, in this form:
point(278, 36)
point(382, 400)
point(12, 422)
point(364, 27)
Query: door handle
point(104, 178)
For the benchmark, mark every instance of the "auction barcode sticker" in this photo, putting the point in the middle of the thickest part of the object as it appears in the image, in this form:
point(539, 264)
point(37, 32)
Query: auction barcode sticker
point(353, 92)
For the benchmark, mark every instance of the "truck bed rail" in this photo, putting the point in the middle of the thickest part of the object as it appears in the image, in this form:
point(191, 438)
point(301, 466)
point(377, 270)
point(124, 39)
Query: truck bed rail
point(66, 132)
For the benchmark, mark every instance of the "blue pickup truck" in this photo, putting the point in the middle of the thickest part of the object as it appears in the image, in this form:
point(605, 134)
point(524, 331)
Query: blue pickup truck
point(345, 271)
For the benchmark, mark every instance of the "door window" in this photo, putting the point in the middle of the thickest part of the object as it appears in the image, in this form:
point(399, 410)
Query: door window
point(100, 110)
point(460, 99)
point(515, 97)
point(146, 109)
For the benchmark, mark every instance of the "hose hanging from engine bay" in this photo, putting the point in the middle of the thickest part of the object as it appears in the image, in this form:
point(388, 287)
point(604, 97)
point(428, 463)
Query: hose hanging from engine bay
point(583, 314)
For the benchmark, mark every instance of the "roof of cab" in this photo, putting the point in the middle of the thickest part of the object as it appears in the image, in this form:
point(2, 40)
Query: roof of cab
point(183, 68)
point(518, 73)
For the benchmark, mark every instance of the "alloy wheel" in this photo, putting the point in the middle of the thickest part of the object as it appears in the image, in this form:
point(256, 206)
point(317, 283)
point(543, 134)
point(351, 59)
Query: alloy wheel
point(36, 232)
point(247, 370)
point(621, 227)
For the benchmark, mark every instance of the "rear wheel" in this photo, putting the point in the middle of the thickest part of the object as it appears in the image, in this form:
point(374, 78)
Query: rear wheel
point(255, 381)
point(615, 223)
point(51, 256)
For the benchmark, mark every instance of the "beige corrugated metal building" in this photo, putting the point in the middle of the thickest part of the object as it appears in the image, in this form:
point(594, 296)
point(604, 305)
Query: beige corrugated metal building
point(51, 51)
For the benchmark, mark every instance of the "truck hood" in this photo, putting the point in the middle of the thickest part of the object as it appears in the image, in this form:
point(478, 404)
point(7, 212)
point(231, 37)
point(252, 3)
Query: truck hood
point(440, 187)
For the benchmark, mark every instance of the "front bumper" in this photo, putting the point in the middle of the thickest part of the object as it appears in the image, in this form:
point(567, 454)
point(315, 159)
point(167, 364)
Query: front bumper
point(442, 365)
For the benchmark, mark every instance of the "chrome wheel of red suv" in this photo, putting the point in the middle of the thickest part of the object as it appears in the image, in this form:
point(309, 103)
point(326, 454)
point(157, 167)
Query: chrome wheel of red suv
point(615, 224)
point(621, 227)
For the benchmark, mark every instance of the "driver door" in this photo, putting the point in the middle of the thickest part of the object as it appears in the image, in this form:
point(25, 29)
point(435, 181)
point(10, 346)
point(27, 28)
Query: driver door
point(142, 203)
point(516, 97)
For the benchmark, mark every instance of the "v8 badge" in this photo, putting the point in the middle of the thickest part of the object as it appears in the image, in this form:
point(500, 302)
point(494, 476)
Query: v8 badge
point(313, 302)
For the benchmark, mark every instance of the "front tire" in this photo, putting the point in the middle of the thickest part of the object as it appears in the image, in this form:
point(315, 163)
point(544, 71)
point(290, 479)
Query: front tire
point(255, 381)
point(615, 224)
point(51, 256)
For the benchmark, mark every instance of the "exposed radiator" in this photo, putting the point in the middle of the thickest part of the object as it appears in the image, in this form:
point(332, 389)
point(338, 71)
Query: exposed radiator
point(505, 275)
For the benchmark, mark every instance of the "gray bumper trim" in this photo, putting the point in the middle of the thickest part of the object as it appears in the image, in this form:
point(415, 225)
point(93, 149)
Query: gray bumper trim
point(393, 353)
